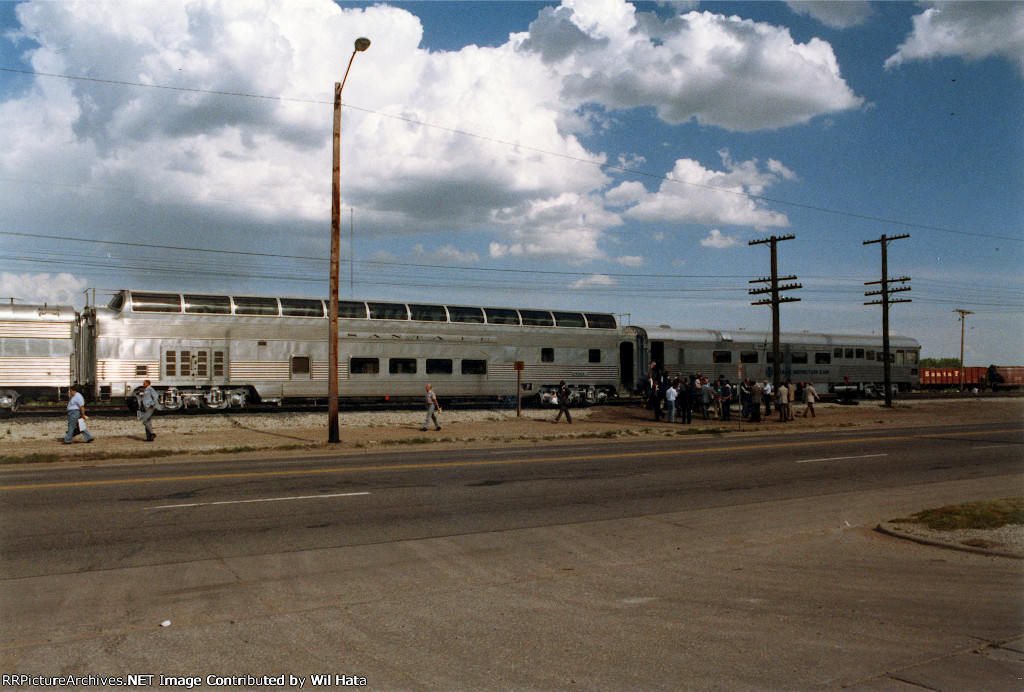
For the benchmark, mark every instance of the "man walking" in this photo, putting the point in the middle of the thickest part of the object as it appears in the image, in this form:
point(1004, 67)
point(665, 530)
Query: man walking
point(76, 416)
point(149, 401)
point(433, 408)
point(783, 402)
point(563, 403)
point(810, 396)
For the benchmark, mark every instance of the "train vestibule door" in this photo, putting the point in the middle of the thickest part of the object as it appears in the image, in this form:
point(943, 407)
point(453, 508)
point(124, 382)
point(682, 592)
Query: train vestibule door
point(194, 364)
point(627, 375)
point(658, 354)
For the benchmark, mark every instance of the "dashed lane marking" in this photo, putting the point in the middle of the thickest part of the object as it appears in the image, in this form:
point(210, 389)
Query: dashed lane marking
point(859, 456)
point(262, 499)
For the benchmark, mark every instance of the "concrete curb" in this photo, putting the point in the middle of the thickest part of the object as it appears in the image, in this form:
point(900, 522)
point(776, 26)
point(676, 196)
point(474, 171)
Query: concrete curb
point(891, 529)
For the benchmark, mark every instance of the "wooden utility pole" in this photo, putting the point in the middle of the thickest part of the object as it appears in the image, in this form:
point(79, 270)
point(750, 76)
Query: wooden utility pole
point(963, 316)
point(885, 302)
point(333, 434)
point(332, 318)
point(775, 289)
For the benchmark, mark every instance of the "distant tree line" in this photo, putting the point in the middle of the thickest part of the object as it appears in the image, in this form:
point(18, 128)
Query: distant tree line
point(940, 363)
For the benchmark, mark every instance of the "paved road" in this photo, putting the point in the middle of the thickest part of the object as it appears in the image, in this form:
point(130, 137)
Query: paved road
point(738, 562)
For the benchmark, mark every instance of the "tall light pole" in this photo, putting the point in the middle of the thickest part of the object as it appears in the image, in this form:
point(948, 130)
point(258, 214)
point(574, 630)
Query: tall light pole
point(332, 319)
point(963, 316)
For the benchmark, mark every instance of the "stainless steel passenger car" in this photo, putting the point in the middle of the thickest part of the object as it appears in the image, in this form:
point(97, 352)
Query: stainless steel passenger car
point(37, 353)
point(220, 351)
point(826, 360)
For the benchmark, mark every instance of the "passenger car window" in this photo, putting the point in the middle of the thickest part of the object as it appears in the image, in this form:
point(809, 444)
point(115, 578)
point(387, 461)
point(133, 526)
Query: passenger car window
point(474, 367)
point(468, 315)
point(439, 366)
point(569, 319)
point(501, 316)
point(255, 306)
point(364, 366)
point(302, 307)
point(350, 309)
point(600, 321)
point(428, 313)
point(212, 305)
point(402, 366)
point(156, 302)
point(388, 311)
point(537, 318)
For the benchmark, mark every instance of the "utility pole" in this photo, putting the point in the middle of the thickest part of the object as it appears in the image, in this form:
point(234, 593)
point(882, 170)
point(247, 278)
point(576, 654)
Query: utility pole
point(333, 434)
point(885, 302)
point(774, 288)
point(963, 315)
point(351, 252)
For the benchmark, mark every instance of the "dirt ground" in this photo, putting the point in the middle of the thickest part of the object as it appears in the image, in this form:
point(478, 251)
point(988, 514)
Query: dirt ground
point(24, 440)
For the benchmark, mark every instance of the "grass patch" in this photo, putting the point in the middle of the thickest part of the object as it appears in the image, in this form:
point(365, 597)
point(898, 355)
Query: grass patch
point(971, 515)
point(702, 431)
point(34, 458)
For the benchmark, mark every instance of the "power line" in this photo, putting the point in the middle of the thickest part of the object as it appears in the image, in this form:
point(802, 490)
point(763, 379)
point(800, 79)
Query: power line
point(569, 157)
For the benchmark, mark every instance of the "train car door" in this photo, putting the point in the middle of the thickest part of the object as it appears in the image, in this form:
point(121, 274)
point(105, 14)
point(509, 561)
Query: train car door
point(201, 364)
point(627, 376)
point(658, 354)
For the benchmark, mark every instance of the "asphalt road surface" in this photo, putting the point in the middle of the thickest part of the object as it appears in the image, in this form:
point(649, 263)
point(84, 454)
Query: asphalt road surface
point(735, 562)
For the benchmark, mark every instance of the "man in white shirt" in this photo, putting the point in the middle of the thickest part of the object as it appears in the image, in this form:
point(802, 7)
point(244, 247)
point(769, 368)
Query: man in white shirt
point(76, 413)
point(670, 403)
point(433, 408)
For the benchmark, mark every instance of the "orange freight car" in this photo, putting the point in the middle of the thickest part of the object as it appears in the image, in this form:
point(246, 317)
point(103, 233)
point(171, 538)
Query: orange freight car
point(950, 377)
point(1005, 377)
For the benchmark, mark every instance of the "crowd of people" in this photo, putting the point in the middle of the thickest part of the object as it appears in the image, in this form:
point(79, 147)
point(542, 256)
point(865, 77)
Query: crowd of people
point(695, 396)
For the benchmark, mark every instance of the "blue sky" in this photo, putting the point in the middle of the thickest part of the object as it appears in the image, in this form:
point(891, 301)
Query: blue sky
point(595, 154)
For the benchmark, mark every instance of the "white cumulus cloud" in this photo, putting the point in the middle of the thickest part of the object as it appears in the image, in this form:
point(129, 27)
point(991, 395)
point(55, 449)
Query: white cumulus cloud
point(594, 281)
point(55, 289)
point(694, 194)
point(970, 30)
point(194, 161)
point(839, 14)
point(722, 70)
point(715, 239)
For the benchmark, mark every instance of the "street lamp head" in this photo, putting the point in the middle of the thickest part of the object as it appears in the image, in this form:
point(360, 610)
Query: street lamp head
point(362, 44)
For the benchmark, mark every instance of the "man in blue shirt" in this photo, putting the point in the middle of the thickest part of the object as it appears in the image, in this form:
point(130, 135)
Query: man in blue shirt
point(149, 401)
point(76, 413)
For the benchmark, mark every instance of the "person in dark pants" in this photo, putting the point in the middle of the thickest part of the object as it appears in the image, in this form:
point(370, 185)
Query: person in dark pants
point(563, 403)
point(149, 402)
point(725, 392)
point(755, 396)
point(685, 404)
point(659, 398)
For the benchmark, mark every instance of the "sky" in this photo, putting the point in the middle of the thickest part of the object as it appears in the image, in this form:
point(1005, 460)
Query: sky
point(593, 155)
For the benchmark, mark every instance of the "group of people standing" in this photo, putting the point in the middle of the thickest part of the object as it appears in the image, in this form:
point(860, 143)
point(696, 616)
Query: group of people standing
point(697, 396)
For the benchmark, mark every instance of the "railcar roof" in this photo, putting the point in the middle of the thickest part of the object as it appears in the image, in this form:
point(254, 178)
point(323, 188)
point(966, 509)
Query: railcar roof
point(26, 311)
point(743, 336)
point(594, 319)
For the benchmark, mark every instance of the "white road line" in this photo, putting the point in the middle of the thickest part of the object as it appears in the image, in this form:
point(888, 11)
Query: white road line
point(862, 456)
point(265, 499)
